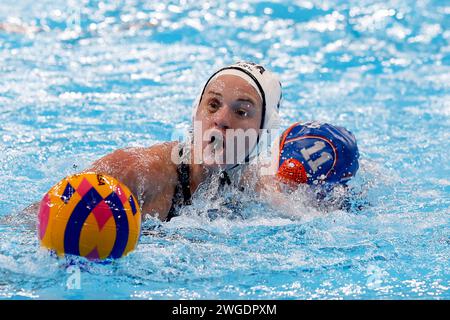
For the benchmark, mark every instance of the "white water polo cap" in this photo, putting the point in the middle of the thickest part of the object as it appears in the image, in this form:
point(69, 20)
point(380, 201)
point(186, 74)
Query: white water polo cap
point(265, 83)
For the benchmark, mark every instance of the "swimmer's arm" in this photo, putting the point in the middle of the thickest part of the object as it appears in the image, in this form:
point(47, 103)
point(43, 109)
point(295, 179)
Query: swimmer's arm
point(147, 172)
point(27, 217)
point(117, 164)
point(273, 192)
point(270, 190)
point(122, 164)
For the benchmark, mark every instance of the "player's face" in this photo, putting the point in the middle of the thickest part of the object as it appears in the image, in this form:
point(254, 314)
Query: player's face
point(229, 103)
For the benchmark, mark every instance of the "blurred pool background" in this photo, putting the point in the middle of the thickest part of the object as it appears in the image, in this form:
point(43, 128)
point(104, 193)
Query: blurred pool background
point(79, 79)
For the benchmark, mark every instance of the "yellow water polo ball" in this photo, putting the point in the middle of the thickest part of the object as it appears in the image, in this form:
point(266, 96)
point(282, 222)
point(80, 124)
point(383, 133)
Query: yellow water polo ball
point(89, 215)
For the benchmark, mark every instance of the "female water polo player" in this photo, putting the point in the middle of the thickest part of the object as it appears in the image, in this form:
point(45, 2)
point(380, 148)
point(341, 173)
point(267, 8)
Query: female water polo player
point(242, 99)
point(321, 156)
point(317, 154)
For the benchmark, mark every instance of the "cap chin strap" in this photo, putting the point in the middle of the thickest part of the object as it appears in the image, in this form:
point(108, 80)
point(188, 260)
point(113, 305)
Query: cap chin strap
point(224, 177)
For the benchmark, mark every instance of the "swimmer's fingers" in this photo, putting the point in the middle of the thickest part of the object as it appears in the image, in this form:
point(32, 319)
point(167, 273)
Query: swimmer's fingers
point(19, 28)
point(25, 217)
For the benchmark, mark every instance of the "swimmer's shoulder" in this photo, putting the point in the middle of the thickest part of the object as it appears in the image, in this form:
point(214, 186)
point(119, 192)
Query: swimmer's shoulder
point(157, 161)
point(142, 169)
point(136, 157)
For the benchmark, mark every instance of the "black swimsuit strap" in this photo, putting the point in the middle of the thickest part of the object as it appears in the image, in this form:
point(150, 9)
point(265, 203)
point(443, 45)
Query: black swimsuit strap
point(184, 181)
point(182, 194)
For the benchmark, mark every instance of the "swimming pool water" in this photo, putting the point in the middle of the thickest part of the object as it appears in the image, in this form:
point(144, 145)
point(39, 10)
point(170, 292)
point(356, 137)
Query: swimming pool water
point(82, 78)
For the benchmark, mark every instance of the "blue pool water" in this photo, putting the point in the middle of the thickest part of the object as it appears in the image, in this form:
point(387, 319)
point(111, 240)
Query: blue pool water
point(79, 79)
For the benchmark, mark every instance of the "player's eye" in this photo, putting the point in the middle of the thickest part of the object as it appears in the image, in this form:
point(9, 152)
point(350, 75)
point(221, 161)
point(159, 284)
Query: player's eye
point(213, 104)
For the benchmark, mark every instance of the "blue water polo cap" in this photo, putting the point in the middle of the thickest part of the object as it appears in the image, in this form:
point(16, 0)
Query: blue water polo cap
point(317, 153)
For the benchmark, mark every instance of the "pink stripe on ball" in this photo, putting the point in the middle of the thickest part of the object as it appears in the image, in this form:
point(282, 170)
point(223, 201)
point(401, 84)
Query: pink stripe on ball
point(44, 214)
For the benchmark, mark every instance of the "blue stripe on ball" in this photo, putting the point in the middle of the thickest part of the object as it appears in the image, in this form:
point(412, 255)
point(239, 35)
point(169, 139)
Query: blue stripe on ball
point(133, 207)
point(67, 194)
point(121, 219)
point(77, 220)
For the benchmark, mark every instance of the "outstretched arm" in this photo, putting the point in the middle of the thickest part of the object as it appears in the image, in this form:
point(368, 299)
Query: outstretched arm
point(271, 190)
point(147, 172)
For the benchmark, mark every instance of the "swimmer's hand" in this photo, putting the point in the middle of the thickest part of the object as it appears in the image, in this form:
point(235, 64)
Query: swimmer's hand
point(270, 189)
point(27, 217)
point(279, 195)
